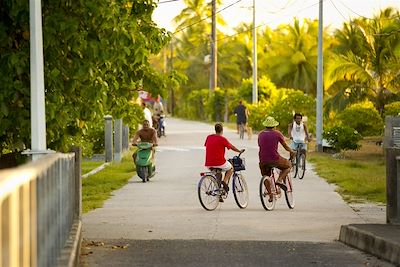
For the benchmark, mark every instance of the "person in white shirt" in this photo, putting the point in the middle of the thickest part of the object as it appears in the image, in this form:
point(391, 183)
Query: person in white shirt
point(298, 133)
point(158, 106)
point(147, 114)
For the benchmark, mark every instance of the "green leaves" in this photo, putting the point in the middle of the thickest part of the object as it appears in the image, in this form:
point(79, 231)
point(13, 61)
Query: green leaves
point(95, 52)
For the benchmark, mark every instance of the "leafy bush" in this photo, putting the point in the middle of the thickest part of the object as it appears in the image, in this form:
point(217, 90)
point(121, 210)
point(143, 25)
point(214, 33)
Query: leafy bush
point(366, 120)
point(295, 102)
point(342, 137)
point(257, 113)
point(194, 106)
point(264, 86)
point(216, 106)
point(392, 109)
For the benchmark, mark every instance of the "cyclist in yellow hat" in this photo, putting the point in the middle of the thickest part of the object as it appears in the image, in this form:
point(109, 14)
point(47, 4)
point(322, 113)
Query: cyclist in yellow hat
point(268, 141)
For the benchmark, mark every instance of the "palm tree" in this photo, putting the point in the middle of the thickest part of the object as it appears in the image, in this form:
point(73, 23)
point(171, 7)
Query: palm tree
point(292, 56)
point(366, 62)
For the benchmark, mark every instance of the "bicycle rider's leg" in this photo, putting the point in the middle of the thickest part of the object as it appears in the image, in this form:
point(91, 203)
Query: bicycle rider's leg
point(266, 171)
point(228, 169)
point(284, 165)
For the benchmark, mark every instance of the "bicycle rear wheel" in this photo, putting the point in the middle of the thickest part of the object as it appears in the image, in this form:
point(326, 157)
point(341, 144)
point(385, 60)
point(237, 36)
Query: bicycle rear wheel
point(294, 168)
point(264, 197)
point(289, 192)
point(301, 166)
point(208, 192)
point(240, 191)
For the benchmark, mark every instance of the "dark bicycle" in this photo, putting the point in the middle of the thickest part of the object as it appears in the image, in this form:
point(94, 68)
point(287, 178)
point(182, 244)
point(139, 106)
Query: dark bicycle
point(299, 161)
point(210, 189)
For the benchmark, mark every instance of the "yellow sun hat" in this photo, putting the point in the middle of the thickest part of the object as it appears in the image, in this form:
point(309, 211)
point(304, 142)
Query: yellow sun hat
point(270, 122)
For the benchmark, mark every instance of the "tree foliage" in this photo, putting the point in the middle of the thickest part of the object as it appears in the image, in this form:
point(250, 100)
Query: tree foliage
point(95, 57)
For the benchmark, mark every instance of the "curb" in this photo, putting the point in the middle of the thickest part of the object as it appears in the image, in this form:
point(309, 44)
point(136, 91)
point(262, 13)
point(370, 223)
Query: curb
point(94, 171)
point(381, 240)
point(70, 254)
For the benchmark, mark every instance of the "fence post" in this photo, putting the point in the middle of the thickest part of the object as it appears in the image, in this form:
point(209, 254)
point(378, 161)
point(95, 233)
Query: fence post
point(108, 138)
point(125, 137)
point(118, 140)
point(78, 180)
point(392, 151)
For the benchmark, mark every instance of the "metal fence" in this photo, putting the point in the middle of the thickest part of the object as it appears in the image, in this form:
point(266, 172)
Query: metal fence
point(40, 203)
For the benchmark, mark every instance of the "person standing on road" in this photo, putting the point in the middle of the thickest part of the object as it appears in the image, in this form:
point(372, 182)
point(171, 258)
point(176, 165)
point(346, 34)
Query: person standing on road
point(268, 141)
point(215, 154)
point(242, 115)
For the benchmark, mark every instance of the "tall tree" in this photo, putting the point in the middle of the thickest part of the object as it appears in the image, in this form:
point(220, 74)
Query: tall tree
point(96, 53)
point(366, 63)
point(292, 56)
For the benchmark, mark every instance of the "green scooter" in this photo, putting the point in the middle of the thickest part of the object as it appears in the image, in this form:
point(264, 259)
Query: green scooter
point(145, 167)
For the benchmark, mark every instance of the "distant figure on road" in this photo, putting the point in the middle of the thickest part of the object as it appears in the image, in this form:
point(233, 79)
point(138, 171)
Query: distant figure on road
point(242, 115)
point(298, 133)
point(158, 106)
point(147, 114)
point(215, 154)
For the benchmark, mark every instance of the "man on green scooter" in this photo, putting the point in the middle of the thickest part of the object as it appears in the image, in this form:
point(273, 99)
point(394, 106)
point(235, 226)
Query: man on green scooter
point(146, 134)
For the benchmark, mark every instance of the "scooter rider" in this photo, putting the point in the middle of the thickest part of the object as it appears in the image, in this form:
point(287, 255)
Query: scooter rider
point(146, 134)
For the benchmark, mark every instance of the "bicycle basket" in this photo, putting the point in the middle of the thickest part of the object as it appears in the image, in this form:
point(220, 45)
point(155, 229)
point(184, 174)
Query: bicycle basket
point(237, 163)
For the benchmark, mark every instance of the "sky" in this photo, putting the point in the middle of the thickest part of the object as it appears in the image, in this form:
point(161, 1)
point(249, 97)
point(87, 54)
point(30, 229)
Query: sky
point(276, 12)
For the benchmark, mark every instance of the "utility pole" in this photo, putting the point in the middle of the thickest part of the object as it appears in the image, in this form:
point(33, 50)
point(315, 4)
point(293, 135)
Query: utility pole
point(171, 98)
point(38, 115)
point(213, 74)
point(255, 92)
point(320, 89)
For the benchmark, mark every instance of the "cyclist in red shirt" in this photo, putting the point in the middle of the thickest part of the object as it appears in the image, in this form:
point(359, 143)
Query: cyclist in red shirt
point(215, 153)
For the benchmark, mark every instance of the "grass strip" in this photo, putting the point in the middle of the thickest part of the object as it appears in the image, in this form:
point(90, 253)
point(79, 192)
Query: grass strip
point(97, 188)
point(358, 180)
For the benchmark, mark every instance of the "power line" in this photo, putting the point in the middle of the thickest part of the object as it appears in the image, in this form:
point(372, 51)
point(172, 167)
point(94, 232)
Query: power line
point(167, 1)
point(194, 23)
point(263, 24)
point(338, 10)
point(351, 10)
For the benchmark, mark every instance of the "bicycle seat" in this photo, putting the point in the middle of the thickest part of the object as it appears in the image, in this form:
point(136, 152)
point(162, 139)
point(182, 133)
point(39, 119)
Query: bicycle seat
point(215, 169)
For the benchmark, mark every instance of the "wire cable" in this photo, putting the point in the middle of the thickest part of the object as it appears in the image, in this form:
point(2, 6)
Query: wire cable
point(351, 10)
point(341, 14)
point(167, 1)
point(265, 23)
point(194, 23)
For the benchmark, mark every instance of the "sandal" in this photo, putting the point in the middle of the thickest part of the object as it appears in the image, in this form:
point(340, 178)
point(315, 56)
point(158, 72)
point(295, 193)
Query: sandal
point(225, 186)
point(281, 185)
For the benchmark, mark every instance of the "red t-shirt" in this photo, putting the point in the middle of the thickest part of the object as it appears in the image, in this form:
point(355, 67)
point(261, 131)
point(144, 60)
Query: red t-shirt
point(215, 149)
point(268, 142)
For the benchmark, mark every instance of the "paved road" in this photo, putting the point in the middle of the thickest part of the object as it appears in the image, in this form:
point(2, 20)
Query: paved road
point(167, 209)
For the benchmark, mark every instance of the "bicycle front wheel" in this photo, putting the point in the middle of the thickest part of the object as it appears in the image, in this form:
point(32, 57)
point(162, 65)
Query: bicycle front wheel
point(264, 197)
point(240, 191)
point(294, 168)
point(208, 192)
point(289, 192)
point(302, 166)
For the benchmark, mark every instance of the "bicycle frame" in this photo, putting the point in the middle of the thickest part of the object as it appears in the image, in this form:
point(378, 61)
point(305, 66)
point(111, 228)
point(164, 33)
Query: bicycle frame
point(275, 190)
point(210, 191)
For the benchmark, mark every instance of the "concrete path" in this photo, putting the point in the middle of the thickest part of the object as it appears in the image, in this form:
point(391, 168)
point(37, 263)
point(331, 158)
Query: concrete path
point(167, 207)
